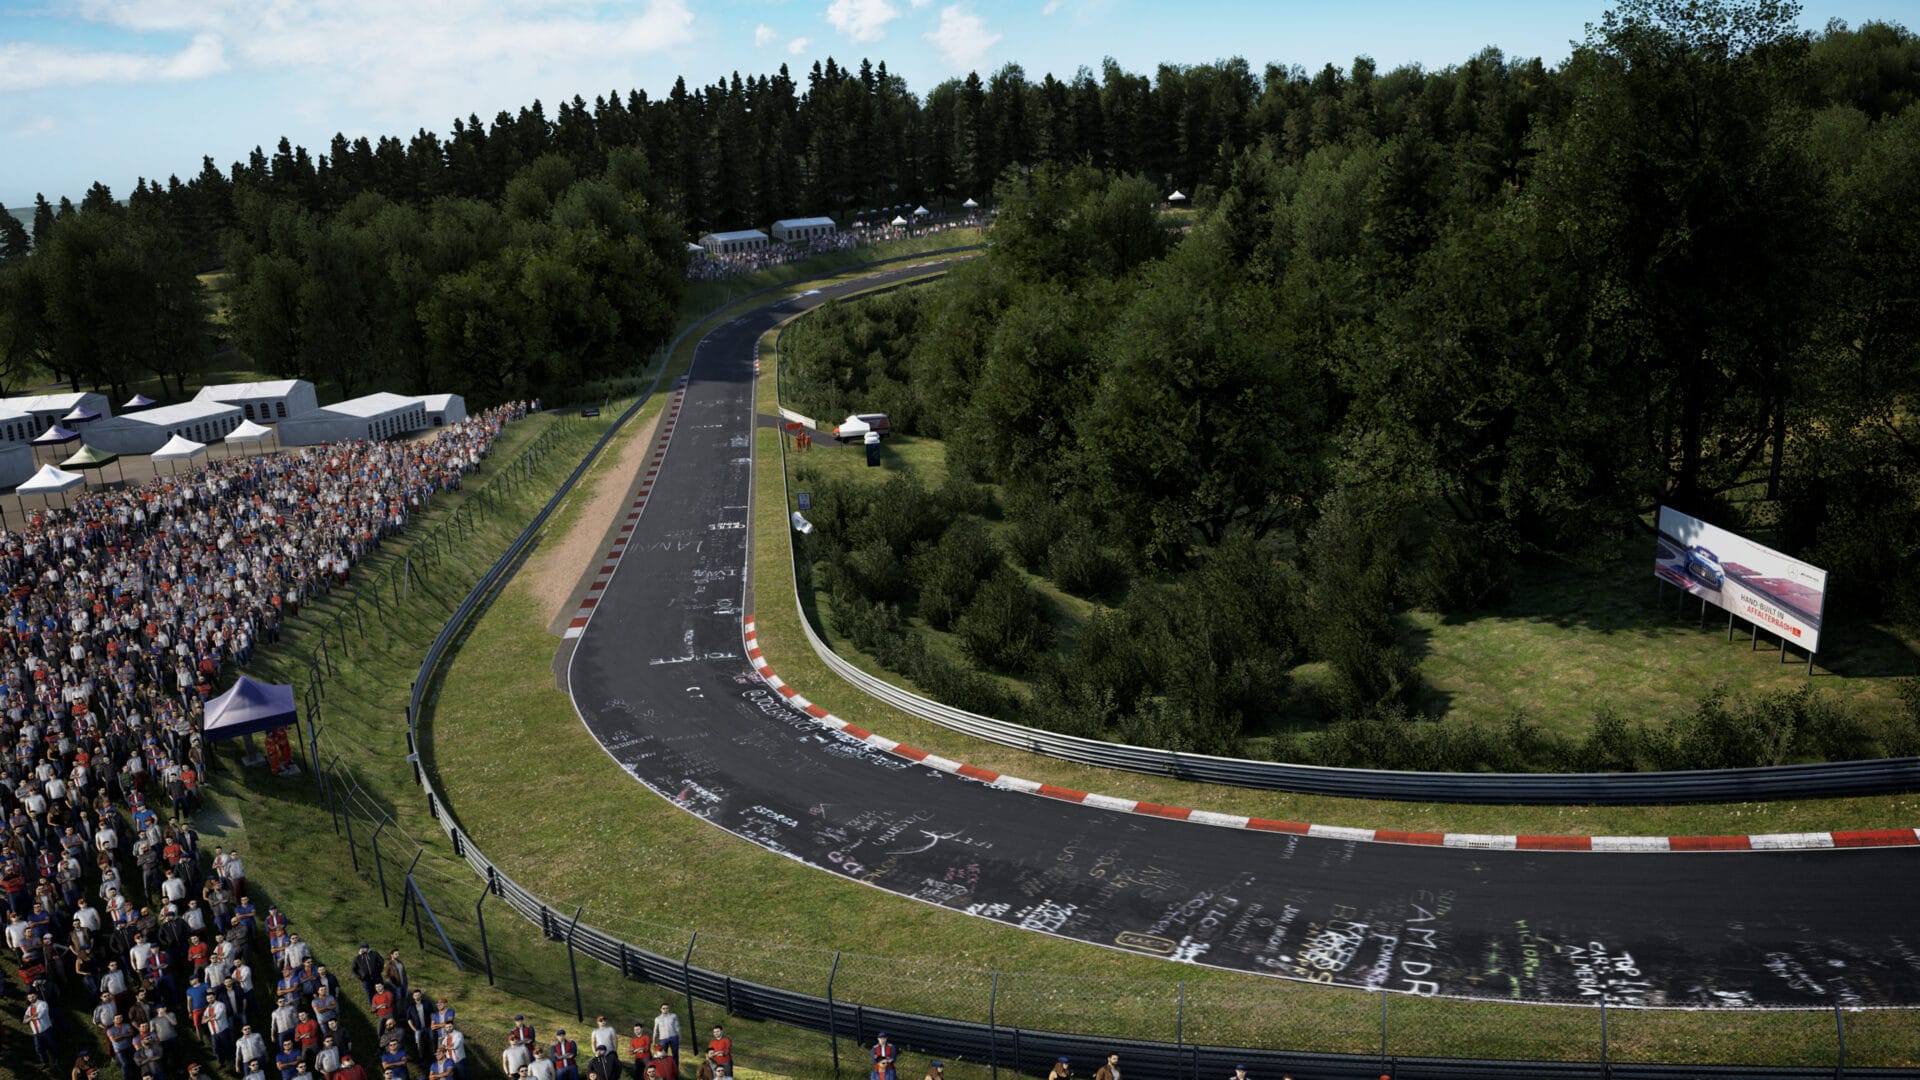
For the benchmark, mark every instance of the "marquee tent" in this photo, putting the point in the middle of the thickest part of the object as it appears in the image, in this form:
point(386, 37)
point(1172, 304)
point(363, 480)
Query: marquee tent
point(93, 457)
point(1176, 196)
point(50, 481)
point(55, 436)
point(179, 448)
point(250, 707)
point(247, 432)
point(921, 211)
point(80, 415)
point(970, 204)
point(138, 401)
point(899, 220)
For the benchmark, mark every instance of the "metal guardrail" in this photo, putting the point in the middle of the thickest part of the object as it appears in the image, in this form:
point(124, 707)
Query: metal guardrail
point(1023, 1050)
point(1819, 779)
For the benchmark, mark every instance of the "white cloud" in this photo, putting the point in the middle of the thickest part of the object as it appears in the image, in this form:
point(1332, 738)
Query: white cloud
point(921, 3)
point(862, 20)
point(764, 35)
point(1052, 6)
point(25, 67)
point(799, 45)
point(36, 125)
point(374, 51)
point(962, 37)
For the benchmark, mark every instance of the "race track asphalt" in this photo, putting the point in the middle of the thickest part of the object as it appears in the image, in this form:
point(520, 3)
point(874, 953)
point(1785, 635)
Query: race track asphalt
point(661, 679)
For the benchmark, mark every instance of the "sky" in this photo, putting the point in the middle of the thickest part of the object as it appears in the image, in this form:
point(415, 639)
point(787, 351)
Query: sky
point(112, 90)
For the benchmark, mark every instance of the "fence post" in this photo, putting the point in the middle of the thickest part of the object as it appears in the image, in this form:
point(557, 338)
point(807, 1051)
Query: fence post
point(1383, 1034)
point(326, 789)
point(378, 866)
point(833, 1026)
point(352, 848)
point(993, 1029)
point(419, 920)
point(686, 980)
point(1180, 1015)
point(1605, 1070)
point(579, 1011)
point(406, 898)
point(1840, 1031)
point(480, 919)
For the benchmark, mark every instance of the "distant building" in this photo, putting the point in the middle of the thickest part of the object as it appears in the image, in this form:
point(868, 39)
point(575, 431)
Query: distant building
point(264, 402)
point(16, 463)
point(47, 409)
point(444, 409)
point(734, 243)
point(372, 417)
point(148, 430)
point(17, 426)
point(800, 230)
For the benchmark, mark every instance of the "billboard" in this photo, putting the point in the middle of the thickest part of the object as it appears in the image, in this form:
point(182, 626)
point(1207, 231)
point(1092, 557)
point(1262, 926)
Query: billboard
point(1779, 593)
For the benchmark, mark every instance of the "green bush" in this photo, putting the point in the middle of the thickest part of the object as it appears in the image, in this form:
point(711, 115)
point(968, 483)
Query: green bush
point(1462, 569)
point(1006, 626)
point(1080, 564)
point(948, 572)
point(1034, 521)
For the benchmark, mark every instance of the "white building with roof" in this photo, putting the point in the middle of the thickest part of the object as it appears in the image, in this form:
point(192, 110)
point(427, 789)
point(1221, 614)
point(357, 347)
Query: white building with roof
point(16, 463)
point(264, 402)
point(148, 430)
point(444, 409)
point(17, 426)
point(735, 242)
point(801, 229)
point(371, 417)
point(47, 409)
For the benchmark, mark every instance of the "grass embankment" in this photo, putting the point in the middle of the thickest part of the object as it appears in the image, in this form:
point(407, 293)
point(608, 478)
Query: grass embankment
point(646, 870)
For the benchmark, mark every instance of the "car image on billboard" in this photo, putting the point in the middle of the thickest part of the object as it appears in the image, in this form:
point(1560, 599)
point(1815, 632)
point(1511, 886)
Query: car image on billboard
point(1776, 592)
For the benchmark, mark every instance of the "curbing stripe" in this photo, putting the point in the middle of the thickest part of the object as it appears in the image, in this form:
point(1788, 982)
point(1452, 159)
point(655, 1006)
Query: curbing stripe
point(1805, 841)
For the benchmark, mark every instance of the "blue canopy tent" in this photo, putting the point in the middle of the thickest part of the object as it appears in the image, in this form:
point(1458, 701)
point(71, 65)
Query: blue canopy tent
point(249, 707)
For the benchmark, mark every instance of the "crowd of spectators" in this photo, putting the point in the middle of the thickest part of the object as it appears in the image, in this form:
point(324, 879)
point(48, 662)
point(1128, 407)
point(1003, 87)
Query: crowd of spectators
point(710, 267)
point(123, 611)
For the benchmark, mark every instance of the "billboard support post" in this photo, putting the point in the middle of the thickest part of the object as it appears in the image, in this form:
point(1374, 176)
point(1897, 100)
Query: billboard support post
point(1783, 650)
point(1755, 647)
point(1809, 665)
point(1729, 627)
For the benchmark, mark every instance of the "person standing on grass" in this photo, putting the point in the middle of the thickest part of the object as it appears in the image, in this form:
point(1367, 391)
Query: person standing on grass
point(666, 1032)
point(515, 1057)
point(884, 1056)
point(366, 968)
point(1109, 1071)
point(639, 1044)
point(39, 1021)
point(349, 1069)
point(604, 1037)
point(419, 1017)
point(720, 1052)
point(936, 1070)
point(524, 1032)
point(605, 1064)
point(541, 1067)
point(249, 1046)
point(395, 973)
point(566, 1057)
point(1062, 1069)
point(393, 1063)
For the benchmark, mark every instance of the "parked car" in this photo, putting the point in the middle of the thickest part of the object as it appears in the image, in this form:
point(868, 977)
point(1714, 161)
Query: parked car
point(1703, 566)
point(855, 428)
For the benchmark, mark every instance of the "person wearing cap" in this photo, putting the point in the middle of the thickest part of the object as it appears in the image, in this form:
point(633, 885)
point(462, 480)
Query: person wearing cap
point(524, 1032)
point(349, 1069)
point(541, 1067)
point(442, 1067)
point(83, 1068)
point(604, 1036)
point(884, 1056)
point(720, 1052)
point(936, 1070)
point(1109, 1071)
point(1061, 1069)
point(666, 1032)
point(1240, 1073)
point(366, 968)
point(566, 1057)
point(605, 1064)
point(515, 1057)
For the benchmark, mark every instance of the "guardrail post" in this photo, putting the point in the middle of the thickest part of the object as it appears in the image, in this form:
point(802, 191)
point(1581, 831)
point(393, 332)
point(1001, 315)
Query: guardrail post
point(686, 980)
point(378, 866)
point(833, 1026)
point(579, 1011)
point(993, 1030)
point(406, 898)
point(480, 919)
point(326, 789)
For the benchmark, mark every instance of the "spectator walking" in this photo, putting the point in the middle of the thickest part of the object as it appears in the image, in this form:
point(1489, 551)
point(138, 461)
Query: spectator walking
point(1110, 1070)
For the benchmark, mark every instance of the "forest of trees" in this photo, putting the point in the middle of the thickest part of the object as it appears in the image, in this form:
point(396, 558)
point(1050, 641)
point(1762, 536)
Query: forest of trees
point(1468, 318)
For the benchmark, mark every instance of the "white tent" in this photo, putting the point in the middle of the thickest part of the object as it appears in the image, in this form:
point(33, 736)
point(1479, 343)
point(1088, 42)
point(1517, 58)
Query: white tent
point(921, 211)
point(899, 221)
point(50, 480)
point(180, 448)
point(248, 431)
point(1176, 196)
point(971, 205)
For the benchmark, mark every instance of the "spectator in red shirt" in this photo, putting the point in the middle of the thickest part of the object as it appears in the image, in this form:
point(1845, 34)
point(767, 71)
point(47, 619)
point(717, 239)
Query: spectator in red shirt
point(720, 1052)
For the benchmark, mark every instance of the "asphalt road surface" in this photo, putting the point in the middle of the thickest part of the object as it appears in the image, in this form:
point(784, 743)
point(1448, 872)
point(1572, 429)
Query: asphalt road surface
point(661, 679)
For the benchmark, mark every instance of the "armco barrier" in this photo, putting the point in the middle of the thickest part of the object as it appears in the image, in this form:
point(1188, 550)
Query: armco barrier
point(1820, 779)
point(1022, 1050)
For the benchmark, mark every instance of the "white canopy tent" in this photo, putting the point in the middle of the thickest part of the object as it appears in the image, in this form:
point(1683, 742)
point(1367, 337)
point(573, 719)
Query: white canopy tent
point(179, 448)
point(970, 204)
point(1176, 196)
point(247, 432)
point(921, 211)
point(899, 221)
point(50, 480)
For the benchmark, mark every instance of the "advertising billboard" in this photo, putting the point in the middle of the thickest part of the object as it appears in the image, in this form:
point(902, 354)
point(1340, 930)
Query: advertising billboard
point(1779, 593)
